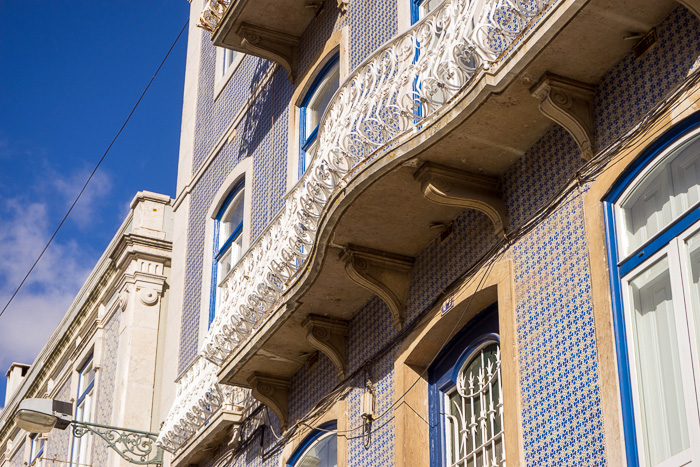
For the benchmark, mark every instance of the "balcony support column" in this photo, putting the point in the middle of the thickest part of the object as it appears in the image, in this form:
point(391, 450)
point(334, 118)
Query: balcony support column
point(385, 274)
point(569, 103)
point(274, 393)
point(452, 187)
point(327, 335)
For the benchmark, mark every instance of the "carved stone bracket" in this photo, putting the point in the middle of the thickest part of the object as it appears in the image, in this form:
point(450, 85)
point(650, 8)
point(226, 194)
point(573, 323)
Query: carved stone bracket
point(385, 274)
point(570, 104)
point(274, 393)
point(448, 186)
point(692, 5)
point(328, 336)
point(273, 45)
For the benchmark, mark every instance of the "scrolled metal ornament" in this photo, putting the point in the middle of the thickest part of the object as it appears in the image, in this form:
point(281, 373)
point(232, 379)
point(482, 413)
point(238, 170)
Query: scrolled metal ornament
point(136, 447)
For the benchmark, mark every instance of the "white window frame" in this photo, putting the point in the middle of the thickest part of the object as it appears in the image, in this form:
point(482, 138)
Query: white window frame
point(225, 70)
point(81, 448)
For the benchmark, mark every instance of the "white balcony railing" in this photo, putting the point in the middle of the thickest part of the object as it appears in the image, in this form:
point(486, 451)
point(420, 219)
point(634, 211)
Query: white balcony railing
point(199, 397)
point(404, 83)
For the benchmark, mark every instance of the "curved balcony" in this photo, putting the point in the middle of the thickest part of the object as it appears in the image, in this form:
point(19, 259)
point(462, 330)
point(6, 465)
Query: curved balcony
point(412, 97)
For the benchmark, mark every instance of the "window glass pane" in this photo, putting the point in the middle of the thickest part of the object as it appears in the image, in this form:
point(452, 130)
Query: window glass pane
point(231, 219)
point(474, 427)
point(693, 249)
point(664, 194)
point(320, 99)
point(322, 454)
point(426, 6)
point(658, 366)
point(229, 57)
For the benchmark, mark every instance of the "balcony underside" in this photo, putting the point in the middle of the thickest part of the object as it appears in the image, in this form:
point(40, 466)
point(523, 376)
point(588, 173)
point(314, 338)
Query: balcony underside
point(267, 28)
point(484, 132)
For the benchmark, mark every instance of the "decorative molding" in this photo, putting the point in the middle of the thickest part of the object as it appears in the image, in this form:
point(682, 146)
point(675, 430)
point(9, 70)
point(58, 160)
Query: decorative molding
point(148, 296)
point(692, 5)
point(274, 393)
point(452, 187)
point(272, 45)
point(328, 336)
point(569, 103)
point(385, 274)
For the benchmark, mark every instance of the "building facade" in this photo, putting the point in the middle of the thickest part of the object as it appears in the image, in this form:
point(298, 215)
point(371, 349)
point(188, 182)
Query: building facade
point(107, 355)
point(437, 233)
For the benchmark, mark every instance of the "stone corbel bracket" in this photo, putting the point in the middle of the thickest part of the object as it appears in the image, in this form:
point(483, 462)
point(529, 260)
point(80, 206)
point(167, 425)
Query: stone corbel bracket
point(274, 393)
point(327, 335)
point(273, 45)
point(569, 103)
point(692, 5)
point(452, 187)
point(387, 275)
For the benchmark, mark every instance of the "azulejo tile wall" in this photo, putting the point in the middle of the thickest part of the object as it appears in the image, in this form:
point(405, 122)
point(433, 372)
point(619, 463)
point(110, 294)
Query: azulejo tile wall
point(558, 361)
point(262, 134)
point(58, 445)
point(105, 398)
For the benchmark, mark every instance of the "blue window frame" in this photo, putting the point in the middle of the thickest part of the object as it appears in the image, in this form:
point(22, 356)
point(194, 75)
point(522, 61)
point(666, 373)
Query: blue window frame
point(455, 389)
point(421, 8)
point(37, 450)
point(312, 107)
point(319, 448)
point(228, 241)
point(652, 218)
point(83, 411)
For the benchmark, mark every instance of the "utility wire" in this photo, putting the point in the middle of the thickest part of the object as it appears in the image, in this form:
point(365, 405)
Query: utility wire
point(92, 174)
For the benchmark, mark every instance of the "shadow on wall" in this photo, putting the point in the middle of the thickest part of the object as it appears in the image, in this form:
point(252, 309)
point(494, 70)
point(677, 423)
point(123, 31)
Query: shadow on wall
point(265, 110)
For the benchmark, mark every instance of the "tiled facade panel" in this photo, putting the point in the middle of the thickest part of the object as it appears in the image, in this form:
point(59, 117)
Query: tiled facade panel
point(263, 134)
point(105, 398)
point(58, 446)
point(558, 361)
point(634, 86)
point(17, 459)
point(372, 23)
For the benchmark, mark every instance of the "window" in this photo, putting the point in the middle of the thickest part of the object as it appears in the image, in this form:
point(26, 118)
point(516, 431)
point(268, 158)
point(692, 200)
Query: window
point(228, 242)
point(319, 449)
point(466, 400)
point(229, 56)
point(83, 411)
point(654, 244)
point(37, 451)
point(312, 107)
point(421, 8)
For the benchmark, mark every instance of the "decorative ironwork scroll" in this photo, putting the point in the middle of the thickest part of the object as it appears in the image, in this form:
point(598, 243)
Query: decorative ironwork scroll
point(136, 447)
point(395, 92)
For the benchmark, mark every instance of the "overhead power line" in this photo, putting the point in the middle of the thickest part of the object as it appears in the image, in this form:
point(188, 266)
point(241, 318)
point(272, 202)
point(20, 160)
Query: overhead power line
point(92, 174)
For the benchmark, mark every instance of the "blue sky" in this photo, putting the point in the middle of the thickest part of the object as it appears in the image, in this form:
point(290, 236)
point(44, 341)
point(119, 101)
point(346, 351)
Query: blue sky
point(70, 73)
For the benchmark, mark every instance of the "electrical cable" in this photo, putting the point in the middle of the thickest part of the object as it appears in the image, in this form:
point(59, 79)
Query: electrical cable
point(604, 160)
point(92, 174)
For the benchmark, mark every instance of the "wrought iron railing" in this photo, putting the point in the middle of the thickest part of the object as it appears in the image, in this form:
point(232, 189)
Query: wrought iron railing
point(199, 397)
point(392, 94)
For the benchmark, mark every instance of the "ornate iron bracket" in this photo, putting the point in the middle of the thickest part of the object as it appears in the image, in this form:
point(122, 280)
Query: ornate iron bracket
point(138, 446)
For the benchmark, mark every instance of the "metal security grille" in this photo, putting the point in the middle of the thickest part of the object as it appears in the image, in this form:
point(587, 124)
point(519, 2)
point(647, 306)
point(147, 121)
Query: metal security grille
point(474, 428)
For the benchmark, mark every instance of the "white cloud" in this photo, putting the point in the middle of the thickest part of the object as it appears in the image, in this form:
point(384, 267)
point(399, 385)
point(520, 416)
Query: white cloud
point(31, 318)
point(68, 187)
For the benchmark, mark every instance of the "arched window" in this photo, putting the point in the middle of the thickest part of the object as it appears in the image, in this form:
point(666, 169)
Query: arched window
point(312, 107)
point(466, 398)
point(319, 449)
point(654, 253)
point(228, 241)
